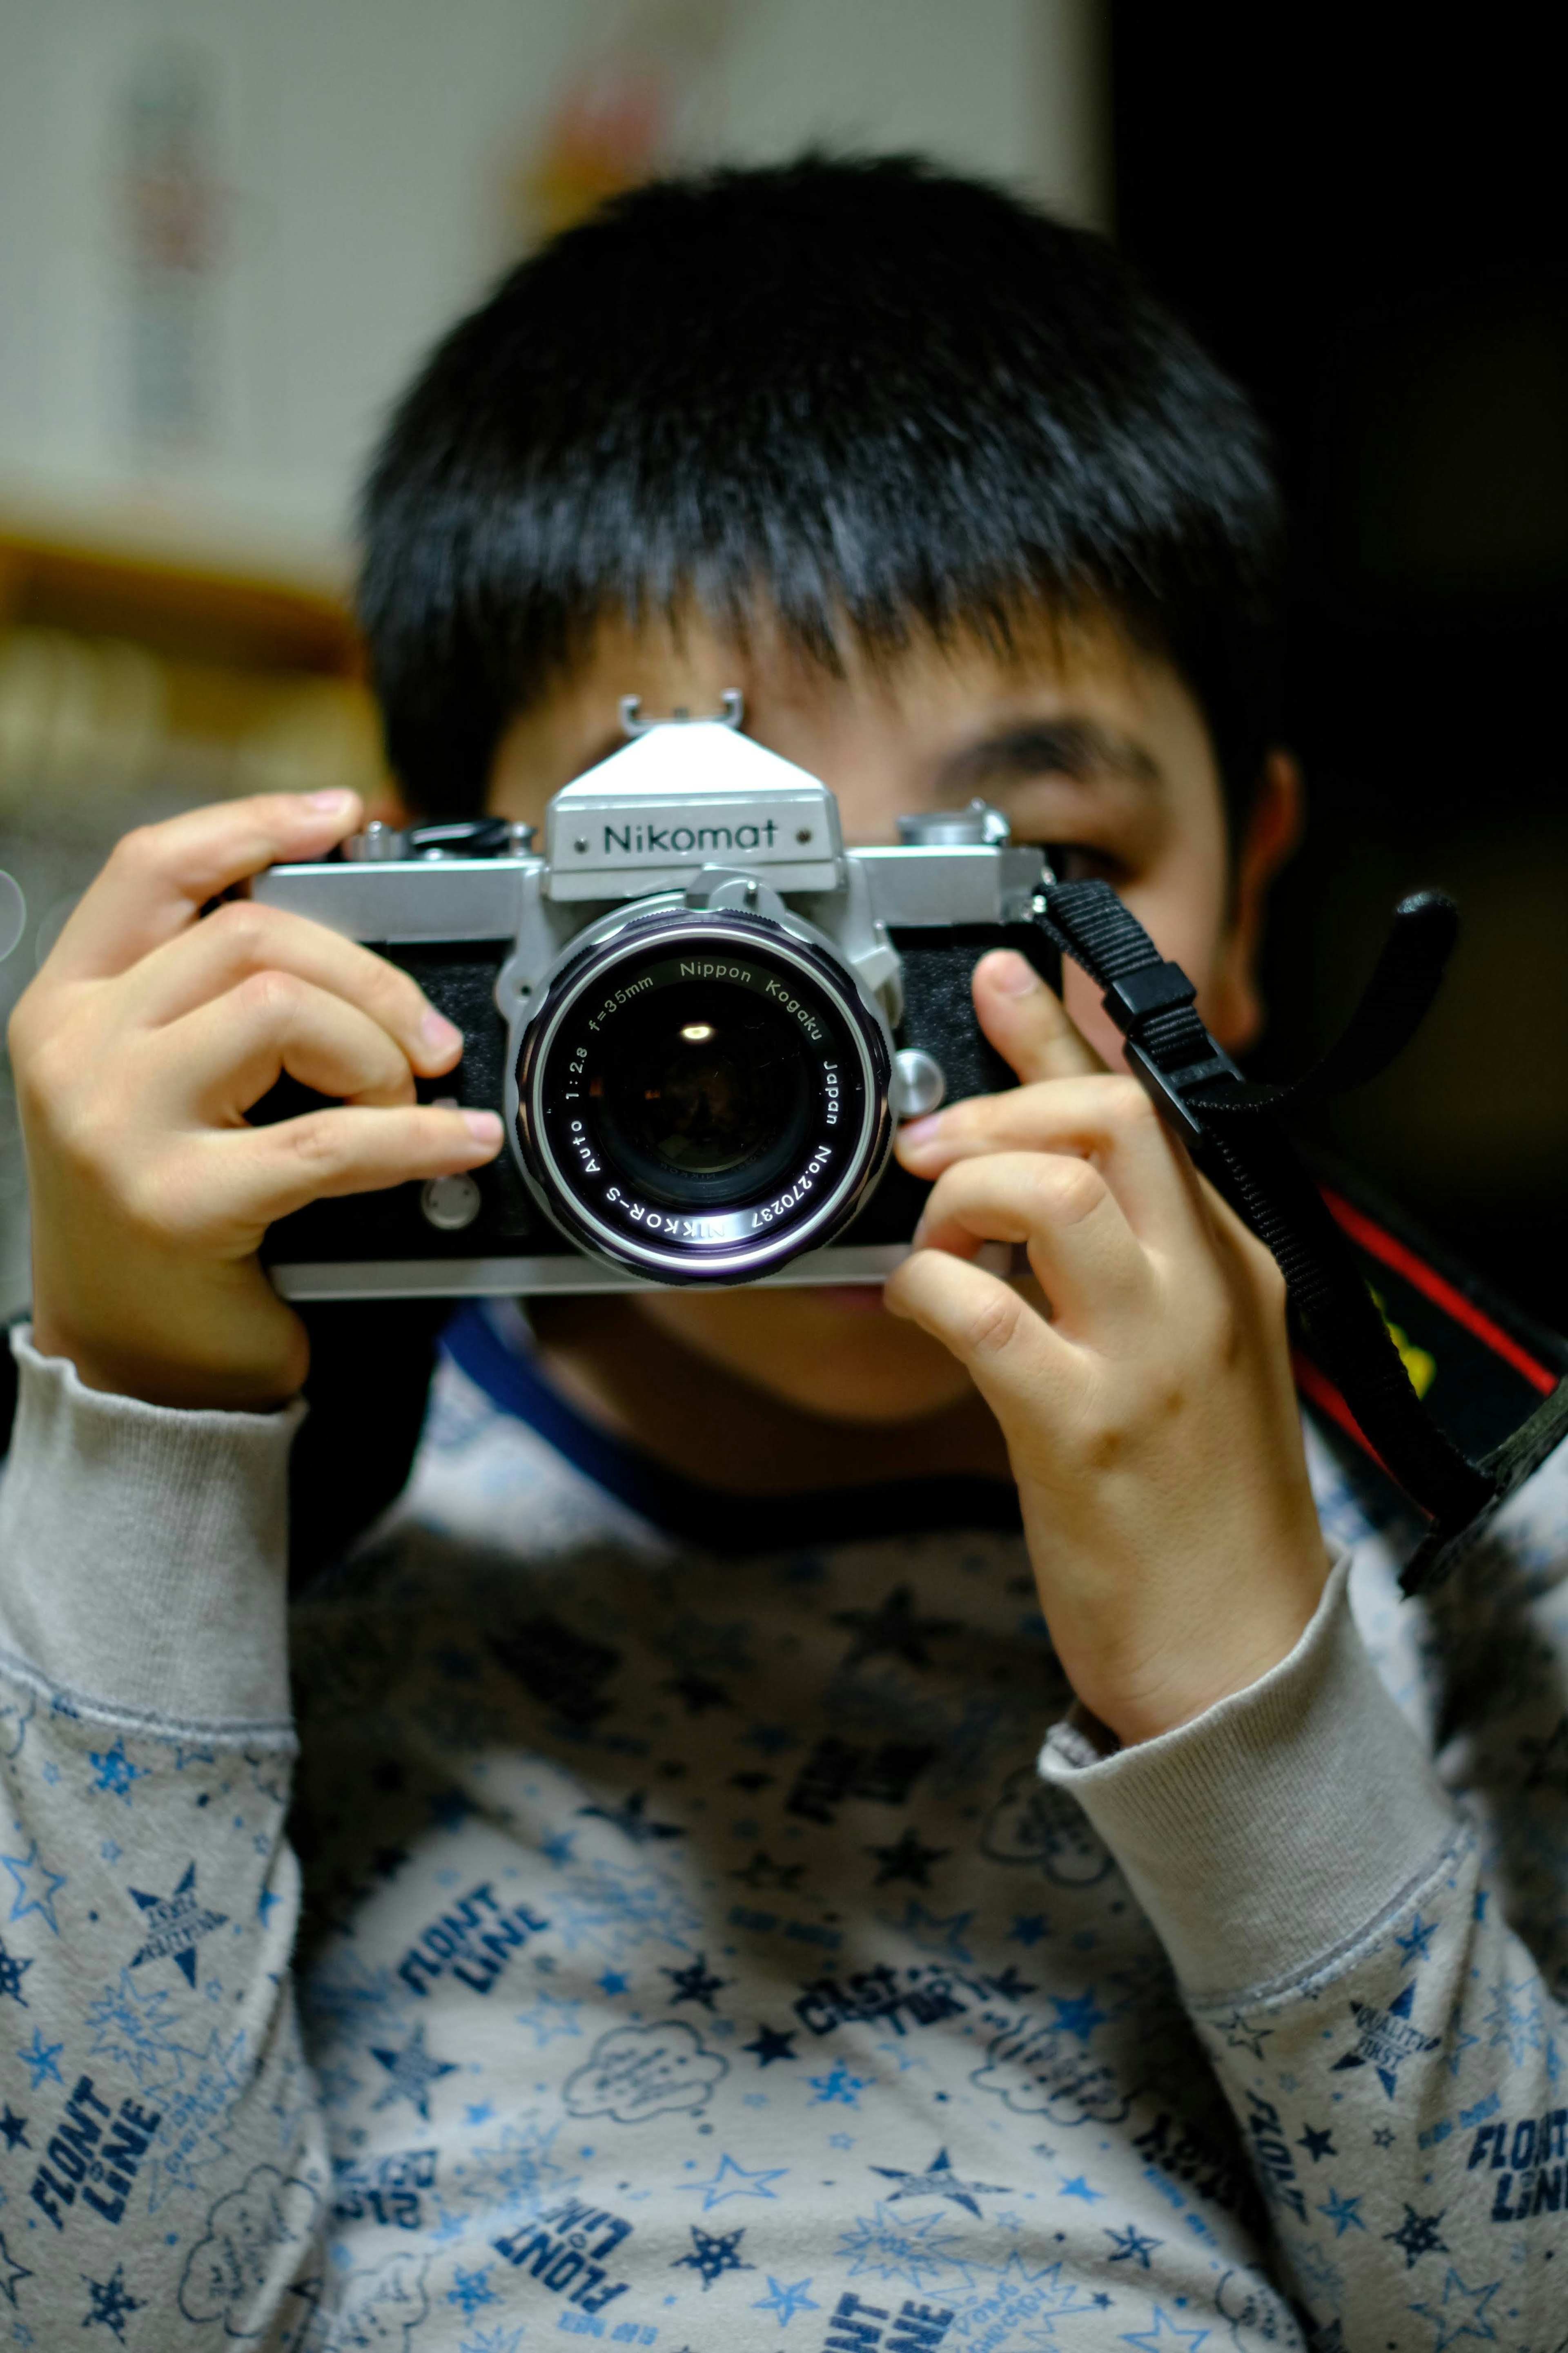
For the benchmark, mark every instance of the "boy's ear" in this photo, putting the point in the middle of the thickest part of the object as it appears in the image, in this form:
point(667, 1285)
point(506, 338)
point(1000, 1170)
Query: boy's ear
point(1269, 834)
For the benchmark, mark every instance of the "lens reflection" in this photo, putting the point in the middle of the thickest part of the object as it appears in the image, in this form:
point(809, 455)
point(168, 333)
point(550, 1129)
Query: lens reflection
point(705, 1093)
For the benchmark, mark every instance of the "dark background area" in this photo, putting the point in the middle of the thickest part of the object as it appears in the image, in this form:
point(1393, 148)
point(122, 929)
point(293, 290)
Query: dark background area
point(1368, 228)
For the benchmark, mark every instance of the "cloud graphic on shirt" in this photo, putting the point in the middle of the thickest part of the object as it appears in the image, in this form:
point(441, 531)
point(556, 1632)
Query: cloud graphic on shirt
point(636, 2071)
point(1038, 2070)
point(234, 2271)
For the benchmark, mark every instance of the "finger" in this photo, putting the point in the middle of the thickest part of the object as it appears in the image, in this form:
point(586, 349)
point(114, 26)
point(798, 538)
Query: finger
point(1026, 1022)
point(160, 876)
point(261, 1174)
point(1106, 1119)
point(1003, 1343)
point(221, 1060)
point(1086, 1258)
point(242, 941)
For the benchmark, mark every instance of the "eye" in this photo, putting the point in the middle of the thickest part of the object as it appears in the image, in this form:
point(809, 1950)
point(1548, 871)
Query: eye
point(1080, 861)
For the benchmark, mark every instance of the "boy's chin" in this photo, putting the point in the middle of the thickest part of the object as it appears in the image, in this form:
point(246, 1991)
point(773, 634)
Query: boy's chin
point(830, 1350)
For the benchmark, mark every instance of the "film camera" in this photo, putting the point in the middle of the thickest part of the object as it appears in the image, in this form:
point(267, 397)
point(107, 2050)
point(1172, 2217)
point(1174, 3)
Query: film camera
point(699, 1015)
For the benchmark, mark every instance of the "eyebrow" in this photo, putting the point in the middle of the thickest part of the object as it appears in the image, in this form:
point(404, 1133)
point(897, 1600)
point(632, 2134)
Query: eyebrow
point(1072, 747)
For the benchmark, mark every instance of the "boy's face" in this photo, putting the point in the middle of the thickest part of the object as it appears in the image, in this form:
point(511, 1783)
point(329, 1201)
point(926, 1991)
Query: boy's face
point(1081, 740)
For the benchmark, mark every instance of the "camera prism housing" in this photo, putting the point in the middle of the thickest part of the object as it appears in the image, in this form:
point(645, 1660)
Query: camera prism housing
point(698, 1014)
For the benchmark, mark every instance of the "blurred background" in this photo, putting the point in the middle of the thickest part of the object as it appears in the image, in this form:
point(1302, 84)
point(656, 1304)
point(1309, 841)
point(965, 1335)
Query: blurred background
point(229, 228)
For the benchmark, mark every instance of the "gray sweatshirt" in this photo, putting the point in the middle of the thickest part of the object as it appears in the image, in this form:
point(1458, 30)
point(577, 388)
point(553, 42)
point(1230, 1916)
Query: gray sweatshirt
point(705, 1952)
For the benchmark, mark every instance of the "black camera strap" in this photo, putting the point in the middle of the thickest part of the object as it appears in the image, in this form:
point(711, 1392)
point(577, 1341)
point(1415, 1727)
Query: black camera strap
point(1230, 1124)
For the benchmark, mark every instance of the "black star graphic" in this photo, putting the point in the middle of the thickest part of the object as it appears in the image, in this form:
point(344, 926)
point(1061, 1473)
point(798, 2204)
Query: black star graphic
point(450, 1809)
point(697, 1693)
point(695, 1982)
point(175, 1924)
point(1239, 2036)
point(14, 2129)
point(1387, 2038)
point(1009, 1984)
point(894, 1627)
point(1317, 2143)
point(909, 1860)
point(1132, 2245)
point(1418, 2236)
point(762, 1871)
point(630, 1819)
point(112, 2304)
point(388, 1861)
point(772, 2045)
point(713, 2253)
point(411, 2071)
point(750, 1783)
point(12, 1972)
point(11, 2273)
point(1383, 2137)
point(939, 2180)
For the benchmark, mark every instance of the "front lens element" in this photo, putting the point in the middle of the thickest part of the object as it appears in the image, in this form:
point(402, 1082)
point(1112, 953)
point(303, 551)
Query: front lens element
point(703, 1096)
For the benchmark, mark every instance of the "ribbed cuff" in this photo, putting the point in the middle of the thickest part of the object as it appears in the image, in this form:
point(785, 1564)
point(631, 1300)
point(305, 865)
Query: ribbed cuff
point(1273, 1830)
point(144, 1554)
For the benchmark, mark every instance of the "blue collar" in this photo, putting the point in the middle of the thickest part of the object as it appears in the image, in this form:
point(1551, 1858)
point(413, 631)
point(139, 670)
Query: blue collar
point(728, 1525)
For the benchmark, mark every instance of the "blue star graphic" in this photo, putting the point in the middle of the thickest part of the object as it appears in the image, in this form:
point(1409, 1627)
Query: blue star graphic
point(43, 2058)
point(786, 2301)
point(939, 2180)
point(1345, 2213)
point(480, 2113)
point(1413, 1947)
point(559, 1848)
point(265, 1904)
point(114, 1771)
point(839, 2085)
point(411, 2072)
point(1167, 2336)
point(1079, 2017)
point(613, 1982)
point(469, 2290)
point(733, 2180)
point(1028, 1930)
point(1461, 2312)
point(176, 1925)
point(31, 1875)
point(1132, 2245)
point(1078, 2187)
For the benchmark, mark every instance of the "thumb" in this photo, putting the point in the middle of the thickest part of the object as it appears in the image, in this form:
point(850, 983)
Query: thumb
point(1025, 1022)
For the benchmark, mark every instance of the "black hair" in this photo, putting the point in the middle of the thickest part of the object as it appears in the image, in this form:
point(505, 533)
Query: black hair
point(872, 399)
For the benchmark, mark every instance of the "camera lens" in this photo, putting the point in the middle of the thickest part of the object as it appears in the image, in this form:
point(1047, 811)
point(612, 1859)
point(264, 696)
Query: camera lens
point(701, 1097)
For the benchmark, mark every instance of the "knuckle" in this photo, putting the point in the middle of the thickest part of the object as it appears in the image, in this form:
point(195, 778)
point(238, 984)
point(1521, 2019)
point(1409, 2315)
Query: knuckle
point(1127, 1107)
point(318, 1140)
point(993, 1322)
point(270, 996)
point(1066, 1190)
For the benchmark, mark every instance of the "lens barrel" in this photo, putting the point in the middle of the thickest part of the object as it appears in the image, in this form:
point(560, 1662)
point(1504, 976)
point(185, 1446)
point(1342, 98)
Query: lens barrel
point(703, 1096)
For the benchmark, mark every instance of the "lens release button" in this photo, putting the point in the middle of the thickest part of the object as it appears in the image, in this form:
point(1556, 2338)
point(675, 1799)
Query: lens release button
point(920, 1082)
point(450, 1203)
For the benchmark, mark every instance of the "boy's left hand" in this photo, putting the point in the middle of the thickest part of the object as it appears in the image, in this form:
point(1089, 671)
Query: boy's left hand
point(1149, 1409)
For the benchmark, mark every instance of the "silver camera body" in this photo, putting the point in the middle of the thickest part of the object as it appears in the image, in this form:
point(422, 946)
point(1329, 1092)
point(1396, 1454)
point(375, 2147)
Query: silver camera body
point(698, 1013)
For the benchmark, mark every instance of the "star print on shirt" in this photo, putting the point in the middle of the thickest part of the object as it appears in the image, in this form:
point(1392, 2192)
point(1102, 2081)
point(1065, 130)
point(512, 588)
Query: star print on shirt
point(893, 1628)
point(115, 1772)
point(43, 2059)
point(1387, 2038)
point(733, 2180)
point(1460, 2312)
point(411, 2072)
point(1414, 1946)
point(772, 2044)
point(695, 1982)
point(12, 2273)
point(12, 1971)
point(713, 2254)
point(1078, 2187)
point(630, 1818)
point(907, 1859)
point(939, 2180)
point(1417, 2236)
point(111, 2303)
point(1239, 2036)
point(177, 1924)
point(1078, 2016)
point(1345, 2213)
point(36, 1885)
point(1166, 2335)
point(785, 2302)
point(1132, 2245)
point(1317, 2143)
point(15, 2128)
point(1028, 1930)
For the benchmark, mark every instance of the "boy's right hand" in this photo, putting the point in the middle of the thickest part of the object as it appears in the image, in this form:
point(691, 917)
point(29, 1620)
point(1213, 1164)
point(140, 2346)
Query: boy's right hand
point(146, 1037)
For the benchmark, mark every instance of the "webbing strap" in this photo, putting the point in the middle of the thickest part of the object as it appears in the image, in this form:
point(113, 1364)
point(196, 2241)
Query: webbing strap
point(1229, 1124)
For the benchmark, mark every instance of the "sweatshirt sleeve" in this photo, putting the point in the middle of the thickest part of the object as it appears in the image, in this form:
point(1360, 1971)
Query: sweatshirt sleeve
point(161, 2149)
point(1391, 2047)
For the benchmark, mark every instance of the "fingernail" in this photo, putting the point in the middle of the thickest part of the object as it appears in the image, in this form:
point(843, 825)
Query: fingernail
point(483, 1127)
point(918, 1133)
point(440, 1033)
point(333, 801)
point(1014, 975)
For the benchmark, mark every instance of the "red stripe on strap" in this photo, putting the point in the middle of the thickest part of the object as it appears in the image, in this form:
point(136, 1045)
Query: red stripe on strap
point(1319, 1390)
point(1460, 1309)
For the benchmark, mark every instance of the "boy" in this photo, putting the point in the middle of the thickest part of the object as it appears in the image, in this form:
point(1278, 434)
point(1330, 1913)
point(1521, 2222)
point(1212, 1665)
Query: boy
point(695, 1953)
